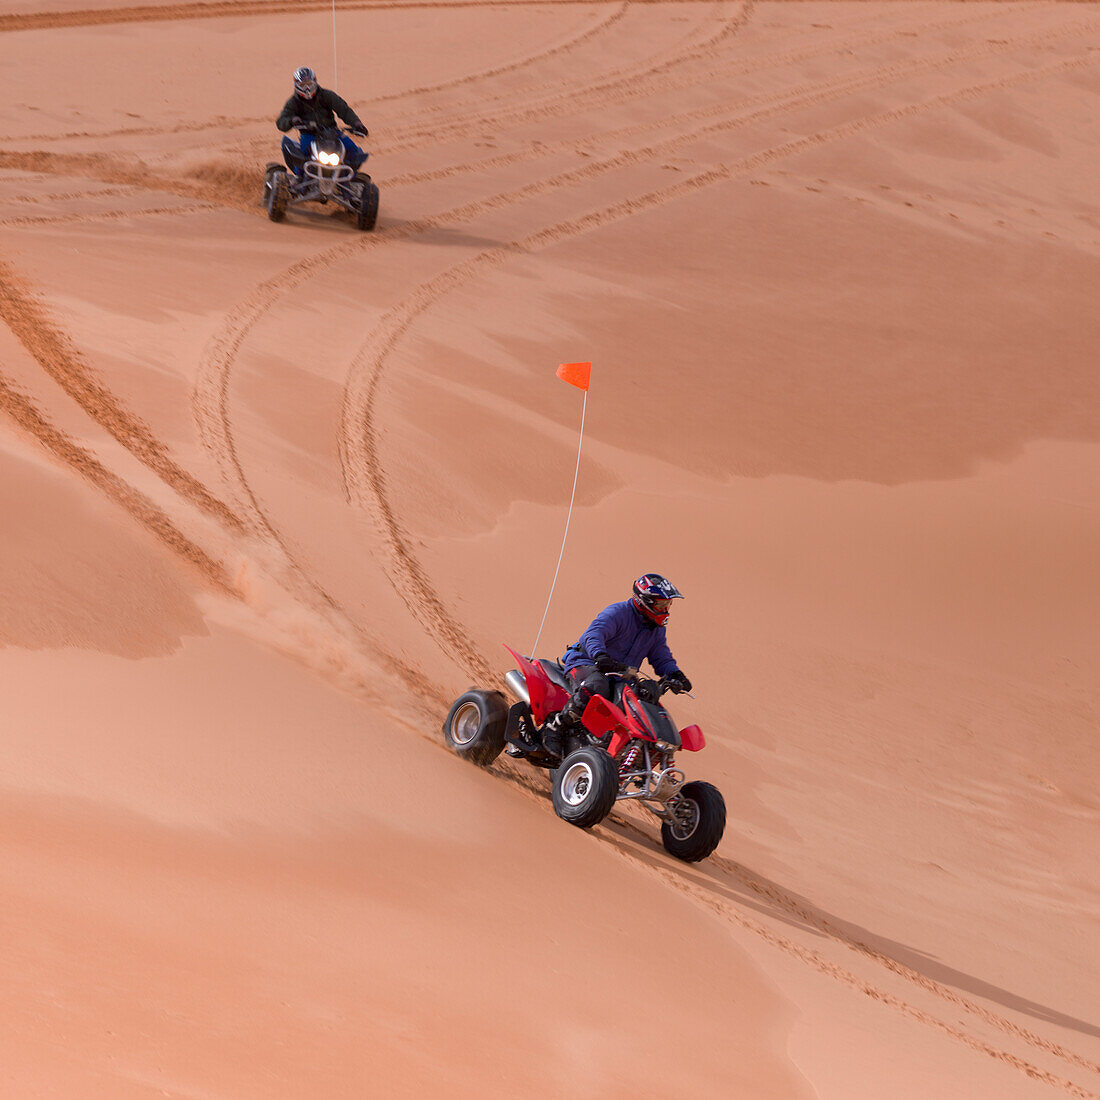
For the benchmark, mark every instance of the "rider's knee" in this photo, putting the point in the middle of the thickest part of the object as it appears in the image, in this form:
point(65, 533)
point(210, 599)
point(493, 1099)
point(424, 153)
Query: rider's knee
point(596, 683)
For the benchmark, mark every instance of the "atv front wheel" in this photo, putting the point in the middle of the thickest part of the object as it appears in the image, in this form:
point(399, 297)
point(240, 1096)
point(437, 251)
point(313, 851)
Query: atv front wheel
point(272, 167)
point(699, 820)
point(585, 786)
point(474, 728)
point(367, 213)
point(278, 195)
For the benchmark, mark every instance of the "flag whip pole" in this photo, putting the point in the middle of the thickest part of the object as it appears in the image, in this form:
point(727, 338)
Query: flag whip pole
point(574, 378)
point(335, 70)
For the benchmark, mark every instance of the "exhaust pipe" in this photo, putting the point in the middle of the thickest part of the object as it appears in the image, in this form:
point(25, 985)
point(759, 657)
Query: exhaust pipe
point(518, 686)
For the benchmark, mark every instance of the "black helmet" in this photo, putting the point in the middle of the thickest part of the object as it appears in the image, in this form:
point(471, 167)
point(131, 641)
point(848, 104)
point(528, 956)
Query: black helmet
point(305, 82)
point(653, 596)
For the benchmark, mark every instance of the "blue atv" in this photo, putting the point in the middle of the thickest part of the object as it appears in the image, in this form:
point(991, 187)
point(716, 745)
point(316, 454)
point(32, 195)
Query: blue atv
point(322, 177)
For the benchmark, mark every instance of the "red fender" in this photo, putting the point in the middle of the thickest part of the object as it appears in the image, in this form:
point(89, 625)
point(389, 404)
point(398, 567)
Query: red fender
point(692, 738)
point(600, 717)
point(546, 696)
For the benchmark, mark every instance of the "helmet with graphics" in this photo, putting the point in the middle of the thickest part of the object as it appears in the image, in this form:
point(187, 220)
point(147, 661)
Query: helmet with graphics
point(305, 82)
point(653, 596)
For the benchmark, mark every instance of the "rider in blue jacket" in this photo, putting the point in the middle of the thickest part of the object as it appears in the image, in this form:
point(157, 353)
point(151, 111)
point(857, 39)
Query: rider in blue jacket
point(618, 639)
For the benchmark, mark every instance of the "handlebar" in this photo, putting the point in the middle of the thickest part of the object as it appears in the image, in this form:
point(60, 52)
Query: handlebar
point(647, 689)
point(300, 124)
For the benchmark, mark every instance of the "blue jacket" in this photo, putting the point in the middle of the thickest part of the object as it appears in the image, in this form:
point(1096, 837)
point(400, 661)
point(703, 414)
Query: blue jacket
point(623, 632)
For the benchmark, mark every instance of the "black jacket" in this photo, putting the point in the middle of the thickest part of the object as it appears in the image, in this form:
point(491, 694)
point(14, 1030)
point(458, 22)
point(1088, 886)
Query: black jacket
point(317, 113)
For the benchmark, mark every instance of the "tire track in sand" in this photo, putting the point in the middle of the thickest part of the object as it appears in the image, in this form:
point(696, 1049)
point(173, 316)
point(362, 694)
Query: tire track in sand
point(620, 86)
point(36, 331)
point(731, 913)
point(224, 123)
point(30, 221)
point(25, 414)
point(59, 359)
point(109, 170)
point(243, 9)
point(766, 104)
point(210, 393)
point(732, 16)
point(616, 86)
point(365, 477)
point(764, 889)
point(210, 396)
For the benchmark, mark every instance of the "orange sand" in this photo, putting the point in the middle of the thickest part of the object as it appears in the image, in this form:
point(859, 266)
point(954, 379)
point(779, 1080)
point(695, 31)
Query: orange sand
point(275, 494)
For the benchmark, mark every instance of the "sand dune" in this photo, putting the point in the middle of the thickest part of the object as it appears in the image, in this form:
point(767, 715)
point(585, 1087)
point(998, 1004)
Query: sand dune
point(275, 494)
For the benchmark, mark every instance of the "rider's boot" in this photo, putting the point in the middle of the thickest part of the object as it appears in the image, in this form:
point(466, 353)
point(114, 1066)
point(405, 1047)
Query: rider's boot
point(558, 727)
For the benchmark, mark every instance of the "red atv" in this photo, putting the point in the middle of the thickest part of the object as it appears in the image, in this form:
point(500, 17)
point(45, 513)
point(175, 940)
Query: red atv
point(625, 751)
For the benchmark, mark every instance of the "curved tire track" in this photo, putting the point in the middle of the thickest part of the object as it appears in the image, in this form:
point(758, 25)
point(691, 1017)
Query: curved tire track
point(26, 415)
point(210, 398)
point(224, 123)
point(623, 87)
point(241, 9)
point(814, 919)
point(760, 107)
point(366, 481)
point(55, 354)
point(210, 393)
point(32, 221)
point(210, 390)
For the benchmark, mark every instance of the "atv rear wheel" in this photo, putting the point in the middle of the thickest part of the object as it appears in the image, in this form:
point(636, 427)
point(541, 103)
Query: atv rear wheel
point(699, 811)
point(278, 194)
point(367, 213)
point(475, 725)
point(585, 786)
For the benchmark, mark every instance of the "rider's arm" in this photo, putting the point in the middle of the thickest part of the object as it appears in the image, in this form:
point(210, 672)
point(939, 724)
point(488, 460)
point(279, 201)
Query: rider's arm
point(340, 107)
point(660, 656)
point(284, 121)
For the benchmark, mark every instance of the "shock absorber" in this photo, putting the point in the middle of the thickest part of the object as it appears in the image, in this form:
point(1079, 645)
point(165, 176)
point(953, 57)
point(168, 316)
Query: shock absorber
point(627, 765)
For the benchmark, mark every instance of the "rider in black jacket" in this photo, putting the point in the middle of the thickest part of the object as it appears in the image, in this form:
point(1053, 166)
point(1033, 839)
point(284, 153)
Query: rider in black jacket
point(311, 109)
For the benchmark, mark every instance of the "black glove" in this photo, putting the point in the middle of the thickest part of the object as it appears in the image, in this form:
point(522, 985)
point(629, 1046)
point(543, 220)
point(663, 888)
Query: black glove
point(677, 682)
point(359, 131)
point(605, 664)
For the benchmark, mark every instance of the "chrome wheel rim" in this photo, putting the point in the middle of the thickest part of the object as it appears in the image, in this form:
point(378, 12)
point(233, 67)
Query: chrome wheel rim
point(466, 724)
point(685, 818)
point(576, 783)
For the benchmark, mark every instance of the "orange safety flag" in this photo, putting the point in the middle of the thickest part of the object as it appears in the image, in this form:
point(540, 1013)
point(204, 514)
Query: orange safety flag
point(576, 374)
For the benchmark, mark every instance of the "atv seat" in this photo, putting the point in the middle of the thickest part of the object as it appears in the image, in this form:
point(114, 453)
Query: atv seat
point(556, 673)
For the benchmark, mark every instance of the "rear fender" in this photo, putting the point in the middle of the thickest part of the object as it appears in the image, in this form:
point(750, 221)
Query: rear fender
point(546, 696)
point(692, 738)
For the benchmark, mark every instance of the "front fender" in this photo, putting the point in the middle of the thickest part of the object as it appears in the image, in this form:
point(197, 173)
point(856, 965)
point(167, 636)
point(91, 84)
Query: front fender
point(692, 738)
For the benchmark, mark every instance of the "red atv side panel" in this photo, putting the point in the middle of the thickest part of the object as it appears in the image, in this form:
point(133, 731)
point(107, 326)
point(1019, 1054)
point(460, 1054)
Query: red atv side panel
point(601, 716)
point(546, 696)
